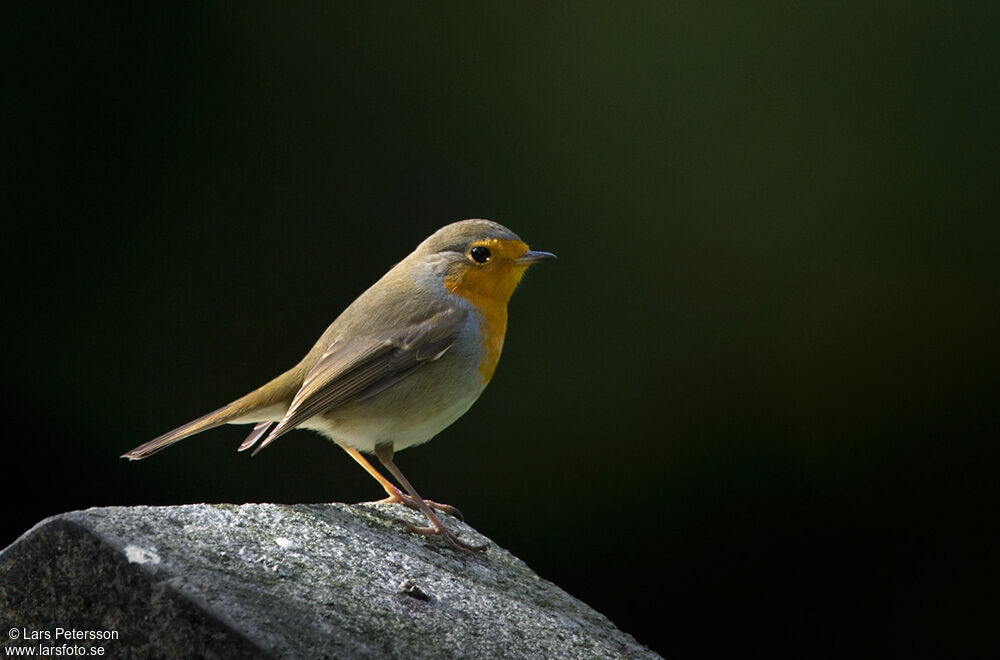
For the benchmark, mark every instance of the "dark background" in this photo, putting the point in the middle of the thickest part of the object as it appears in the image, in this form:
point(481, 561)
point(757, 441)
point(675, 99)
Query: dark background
point(751, 409)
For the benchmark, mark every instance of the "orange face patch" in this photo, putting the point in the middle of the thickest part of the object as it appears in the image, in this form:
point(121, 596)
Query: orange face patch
point(489, 286)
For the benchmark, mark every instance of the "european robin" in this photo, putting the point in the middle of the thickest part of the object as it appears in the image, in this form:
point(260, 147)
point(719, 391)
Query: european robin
point(401, 363)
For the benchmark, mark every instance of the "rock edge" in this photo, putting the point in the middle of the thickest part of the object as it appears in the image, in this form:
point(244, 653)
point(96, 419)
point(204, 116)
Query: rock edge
point(286, 581)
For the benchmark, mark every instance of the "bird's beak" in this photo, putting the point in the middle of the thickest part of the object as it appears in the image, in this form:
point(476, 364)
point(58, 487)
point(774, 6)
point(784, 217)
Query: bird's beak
point(534, 256)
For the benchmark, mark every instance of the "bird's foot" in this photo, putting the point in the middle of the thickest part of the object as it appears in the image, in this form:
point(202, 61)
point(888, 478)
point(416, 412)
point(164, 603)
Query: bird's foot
point(400, 497)
point(437, 529)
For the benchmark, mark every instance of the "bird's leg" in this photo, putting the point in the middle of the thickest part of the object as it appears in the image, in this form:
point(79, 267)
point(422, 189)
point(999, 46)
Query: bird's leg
point(397, 496)
point(384, 453)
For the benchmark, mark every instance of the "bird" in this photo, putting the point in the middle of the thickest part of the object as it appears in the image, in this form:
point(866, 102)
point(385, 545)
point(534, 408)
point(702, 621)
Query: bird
point(401, 363)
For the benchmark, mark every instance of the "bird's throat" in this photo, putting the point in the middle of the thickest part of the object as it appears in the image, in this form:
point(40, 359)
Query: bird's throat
point(489, 291)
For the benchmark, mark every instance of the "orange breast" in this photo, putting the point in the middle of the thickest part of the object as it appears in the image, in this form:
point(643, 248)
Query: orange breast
point(489, 289)
point(494, 328)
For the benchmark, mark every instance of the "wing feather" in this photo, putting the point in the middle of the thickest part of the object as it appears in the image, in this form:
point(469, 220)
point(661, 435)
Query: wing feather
point(356, 369)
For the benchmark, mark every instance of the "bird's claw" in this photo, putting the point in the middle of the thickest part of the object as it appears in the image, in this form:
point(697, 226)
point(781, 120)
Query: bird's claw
point(400, 498)
point(450, 537)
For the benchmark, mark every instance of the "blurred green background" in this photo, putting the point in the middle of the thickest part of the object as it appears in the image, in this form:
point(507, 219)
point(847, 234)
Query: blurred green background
point(751, 409)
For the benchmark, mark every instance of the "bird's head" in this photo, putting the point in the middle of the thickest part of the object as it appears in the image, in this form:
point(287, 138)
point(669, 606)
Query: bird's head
point(483, 261)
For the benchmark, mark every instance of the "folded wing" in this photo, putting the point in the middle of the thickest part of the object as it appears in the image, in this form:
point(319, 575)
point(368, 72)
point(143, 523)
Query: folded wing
point(357, 369)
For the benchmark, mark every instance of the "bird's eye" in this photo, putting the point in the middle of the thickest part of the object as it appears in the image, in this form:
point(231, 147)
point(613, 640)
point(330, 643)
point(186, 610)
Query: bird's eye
point(480, 254)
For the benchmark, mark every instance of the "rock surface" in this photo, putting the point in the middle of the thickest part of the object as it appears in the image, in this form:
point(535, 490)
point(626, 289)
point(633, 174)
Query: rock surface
point(283, 581)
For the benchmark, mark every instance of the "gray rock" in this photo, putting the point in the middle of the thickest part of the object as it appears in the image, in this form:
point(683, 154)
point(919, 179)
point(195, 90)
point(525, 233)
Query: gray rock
point(268, 580)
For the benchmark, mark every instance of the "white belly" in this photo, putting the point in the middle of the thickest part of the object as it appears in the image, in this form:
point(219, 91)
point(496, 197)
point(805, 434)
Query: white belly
point(364, 432)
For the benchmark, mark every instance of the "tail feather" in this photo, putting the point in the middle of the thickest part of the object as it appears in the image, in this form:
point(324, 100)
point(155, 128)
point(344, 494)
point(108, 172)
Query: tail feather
point(279, 430)
point(203, 423)
point(258, 432)
point(278, 391)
